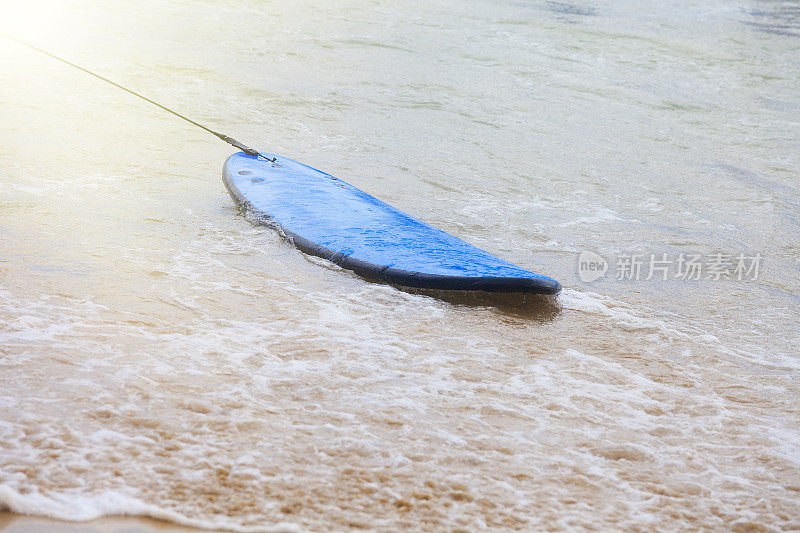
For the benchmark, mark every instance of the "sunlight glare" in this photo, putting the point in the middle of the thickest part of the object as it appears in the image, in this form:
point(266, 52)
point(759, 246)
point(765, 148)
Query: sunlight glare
point(39, 21)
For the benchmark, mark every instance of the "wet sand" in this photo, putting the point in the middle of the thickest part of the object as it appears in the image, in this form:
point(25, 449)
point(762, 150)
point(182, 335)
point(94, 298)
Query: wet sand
point(14, 523)
point(162, 355)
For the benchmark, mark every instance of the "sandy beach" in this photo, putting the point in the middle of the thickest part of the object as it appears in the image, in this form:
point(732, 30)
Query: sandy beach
point(14, 523)
point(165, 354)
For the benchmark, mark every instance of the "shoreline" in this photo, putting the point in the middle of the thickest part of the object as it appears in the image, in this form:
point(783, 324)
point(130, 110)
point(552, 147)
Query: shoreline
point(19, 523)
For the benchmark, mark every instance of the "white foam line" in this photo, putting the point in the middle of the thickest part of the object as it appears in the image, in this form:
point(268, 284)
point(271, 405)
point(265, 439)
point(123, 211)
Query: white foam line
point(80, 508)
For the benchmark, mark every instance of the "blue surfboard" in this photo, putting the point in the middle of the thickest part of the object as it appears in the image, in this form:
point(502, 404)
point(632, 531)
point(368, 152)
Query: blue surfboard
point(326, 217)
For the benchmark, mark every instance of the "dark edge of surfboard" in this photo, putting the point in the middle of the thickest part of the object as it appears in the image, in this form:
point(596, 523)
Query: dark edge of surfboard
point(394, 276)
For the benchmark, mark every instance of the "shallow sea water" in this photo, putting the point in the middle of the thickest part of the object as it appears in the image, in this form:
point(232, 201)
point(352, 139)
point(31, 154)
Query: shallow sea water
point(161, 355)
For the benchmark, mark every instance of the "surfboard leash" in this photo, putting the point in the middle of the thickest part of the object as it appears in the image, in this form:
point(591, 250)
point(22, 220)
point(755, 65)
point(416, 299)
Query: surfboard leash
point(233, 142)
